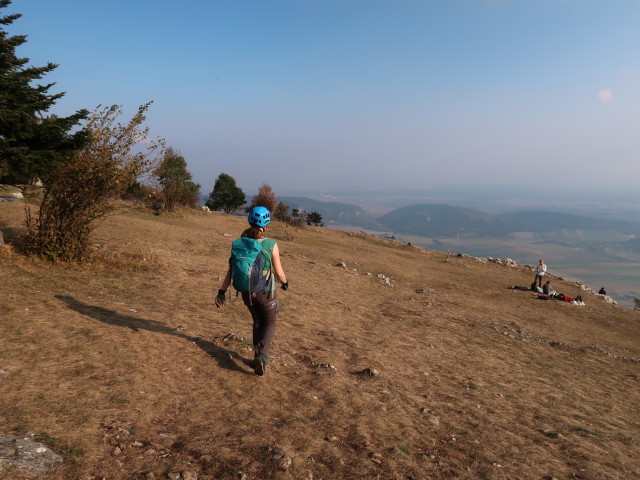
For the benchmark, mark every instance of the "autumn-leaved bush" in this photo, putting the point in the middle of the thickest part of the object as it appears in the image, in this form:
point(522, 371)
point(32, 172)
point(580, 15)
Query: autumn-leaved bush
point(80, 193)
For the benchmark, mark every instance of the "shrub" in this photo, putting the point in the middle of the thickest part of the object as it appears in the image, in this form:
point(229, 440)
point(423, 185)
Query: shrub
point(79, 194)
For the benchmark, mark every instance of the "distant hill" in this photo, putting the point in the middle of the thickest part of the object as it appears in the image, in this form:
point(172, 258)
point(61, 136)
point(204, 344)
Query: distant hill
point(334, 212)
point(433, 220)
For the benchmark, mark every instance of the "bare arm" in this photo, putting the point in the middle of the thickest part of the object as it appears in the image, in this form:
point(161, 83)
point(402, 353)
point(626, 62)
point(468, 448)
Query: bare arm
point(223, 288)
point(227, 280)
point(277, 266)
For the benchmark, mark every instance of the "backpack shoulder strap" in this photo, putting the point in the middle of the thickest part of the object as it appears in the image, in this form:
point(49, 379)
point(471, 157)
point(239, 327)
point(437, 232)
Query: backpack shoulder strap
point(268, 245)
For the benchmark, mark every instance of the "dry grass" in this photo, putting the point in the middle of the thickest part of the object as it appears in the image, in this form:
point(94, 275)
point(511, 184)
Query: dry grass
point(131, 354)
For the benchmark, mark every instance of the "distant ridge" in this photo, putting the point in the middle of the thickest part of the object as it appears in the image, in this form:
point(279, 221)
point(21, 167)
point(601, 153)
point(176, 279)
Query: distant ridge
point(435, 220)
point(334, 212)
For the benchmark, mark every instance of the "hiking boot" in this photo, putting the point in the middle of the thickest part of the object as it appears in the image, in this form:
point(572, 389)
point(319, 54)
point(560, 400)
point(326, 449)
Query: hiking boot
point(260, 364)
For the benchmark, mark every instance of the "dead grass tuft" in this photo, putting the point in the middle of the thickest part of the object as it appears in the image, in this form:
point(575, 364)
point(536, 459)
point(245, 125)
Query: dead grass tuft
point(127, 258)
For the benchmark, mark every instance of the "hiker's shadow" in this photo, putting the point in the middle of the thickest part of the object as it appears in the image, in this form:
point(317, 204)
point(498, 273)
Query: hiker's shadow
point(225, 358)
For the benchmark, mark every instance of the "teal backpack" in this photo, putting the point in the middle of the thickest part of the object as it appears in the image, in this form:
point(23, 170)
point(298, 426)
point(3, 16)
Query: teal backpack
point(251, 264)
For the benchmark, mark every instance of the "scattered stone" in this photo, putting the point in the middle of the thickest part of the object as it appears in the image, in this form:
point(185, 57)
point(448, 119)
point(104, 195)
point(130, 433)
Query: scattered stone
point(341, 264)
point(328, 365)
point(26, 454)
point(117, 451)
point(434, 420)
point(281, 459)
point(174, 476)
point(137, 444)
point(371, 372)
point(331, 438)
point(232, 336)
point(376, 457)
point(3, 374)
point(420, 290)
point(188, 475)
point(150, 476)
point(385, 280)
point(241, 476)
point(284, 462)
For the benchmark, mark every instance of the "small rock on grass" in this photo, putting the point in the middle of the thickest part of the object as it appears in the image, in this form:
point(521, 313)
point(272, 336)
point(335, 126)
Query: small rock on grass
point(371, 372)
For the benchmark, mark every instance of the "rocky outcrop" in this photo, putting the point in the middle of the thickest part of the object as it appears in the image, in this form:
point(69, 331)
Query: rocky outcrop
point(25, 453)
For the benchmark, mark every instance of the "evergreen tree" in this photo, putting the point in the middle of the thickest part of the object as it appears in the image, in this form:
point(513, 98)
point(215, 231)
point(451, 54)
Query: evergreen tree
point(314, 218)
point(226, 195)
point(32, 144)
point(177, 187)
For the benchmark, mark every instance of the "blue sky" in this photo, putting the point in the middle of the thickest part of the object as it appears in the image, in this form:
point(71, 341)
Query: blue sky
point(320, 95)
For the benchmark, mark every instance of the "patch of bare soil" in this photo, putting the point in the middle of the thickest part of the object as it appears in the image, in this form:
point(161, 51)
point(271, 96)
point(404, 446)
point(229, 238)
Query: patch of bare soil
point(126, 369)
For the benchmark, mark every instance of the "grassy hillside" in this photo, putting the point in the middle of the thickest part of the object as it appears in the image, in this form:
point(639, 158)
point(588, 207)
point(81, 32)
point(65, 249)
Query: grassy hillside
point(126, 368)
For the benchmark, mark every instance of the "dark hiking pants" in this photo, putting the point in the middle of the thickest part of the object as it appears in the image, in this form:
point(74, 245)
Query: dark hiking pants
point(264, 311)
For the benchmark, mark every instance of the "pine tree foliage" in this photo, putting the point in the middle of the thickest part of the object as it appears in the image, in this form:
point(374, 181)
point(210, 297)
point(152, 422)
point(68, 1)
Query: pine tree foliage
point(32, 143)
point(315, 219)
point(226, 195)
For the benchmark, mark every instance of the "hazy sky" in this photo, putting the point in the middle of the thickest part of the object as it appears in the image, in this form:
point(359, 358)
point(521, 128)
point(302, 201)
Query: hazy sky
point(312, 95)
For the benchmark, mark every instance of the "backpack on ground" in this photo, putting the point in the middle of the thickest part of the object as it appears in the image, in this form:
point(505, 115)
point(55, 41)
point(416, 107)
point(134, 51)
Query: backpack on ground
point(251, 264)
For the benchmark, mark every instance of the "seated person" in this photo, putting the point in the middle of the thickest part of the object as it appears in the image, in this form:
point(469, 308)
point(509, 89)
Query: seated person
point(547, 289)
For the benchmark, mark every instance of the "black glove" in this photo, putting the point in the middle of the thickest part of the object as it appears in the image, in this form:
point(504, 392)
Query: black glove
point(221, 298)
point(285, 285)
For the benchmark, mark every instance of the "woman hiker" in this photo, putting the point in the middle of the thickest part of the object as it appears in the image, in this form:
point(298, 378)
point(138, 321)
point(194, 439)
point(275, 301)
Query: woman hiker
point(258, 295)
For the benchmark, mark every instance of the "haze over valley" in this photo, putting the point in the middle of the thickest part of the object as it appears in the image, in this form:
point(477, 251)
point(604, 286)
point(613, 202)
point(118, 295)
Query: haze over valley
point(600, 247)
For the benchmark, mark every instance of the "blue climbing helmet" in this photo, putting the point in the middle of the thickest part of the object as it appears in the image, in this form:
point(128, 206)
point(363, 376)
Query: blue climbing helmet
point(259, 216)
